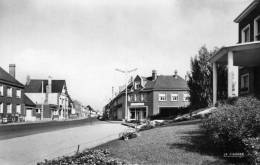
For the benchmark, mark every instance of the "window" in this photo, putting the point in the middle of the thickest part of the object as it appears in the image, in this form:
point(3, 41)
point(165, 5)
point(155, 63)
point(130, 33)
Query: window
point(135, 97)
point(174, 97)
point(245, 83)
point(1, 107)
point(9, 108)
point(1, 90)
point(186, 97)
point(18, 93)
point(18, 109)
point(257, 28)
point(162, 97)
point(129, 98)
point(38, 110)
point(142, 97)
point(137, 85)
point(9, 92)
point(246, 34)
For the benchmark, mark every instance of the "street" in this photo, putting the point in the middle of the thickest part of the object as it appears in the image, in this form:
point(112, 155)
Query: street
point(33, 148)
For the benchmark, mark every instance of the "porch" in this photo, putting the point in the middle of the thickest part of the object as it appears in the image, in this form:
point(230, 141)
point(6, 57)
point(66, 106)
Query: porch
point(245, 58)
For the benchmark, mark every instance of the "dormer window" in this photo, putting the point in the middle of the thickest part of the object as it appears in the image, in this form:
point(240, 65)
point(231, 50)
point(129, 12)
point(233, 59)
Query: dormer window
point(257, 28)
point(137, 85)
point(246, 34)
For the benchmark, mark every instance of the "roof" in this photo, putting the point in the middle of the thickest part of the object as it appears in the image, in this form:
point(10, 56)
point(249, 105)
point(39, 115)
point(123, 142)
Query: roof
point(35, 86)
point(248, 10)
point(7, 78)
point(28, 102)
point(164, 82)
point(237, 47)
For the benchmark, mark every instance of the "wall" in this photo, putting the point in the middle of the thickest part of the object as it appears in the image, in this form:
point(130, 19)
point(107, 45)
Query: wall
point(157, 104)
point(14, 100)
point(39, 98)
point(248, 20)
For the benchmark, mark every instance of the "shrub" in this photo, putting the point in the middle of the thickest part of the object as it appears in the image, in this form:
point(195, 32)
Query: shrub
point(148, 125)
point(90, 157)
point(233, 122)
point(128, 134)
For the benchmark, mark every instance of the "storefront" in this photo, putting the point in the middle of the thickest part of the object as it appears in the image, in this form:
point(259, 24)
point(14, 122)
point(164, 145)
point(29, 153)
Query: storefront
point(138, 112)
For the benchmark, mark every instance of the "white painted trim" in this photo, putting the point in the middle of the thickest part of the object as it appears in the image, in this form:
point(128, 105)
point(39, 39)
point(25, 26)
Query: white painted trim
point(256, 27)
point(174, 94)
point(162, 94)
point(243, 35)
point(170, 106)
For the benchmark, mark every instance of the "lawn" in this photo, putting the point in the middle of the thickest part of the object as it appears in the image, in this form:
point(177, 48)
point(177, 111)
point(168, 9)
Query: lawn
point(172, 144)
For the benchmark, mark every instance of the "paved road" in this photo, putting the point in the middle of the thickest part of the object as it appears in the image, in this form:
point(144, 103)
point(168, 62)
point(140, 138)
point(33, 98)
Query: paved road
point(9, 131)
point(37, 147)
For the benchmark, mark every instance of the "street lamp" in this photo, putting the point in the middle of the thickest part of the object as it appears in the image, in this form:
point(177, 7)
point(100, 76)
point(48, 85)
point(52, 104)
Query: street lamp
point(126, 72)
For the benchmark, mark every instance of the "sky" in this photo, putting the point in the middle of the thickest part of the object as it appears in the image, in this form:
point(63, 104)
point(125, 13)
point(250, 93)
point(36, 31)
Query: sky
point(84, 41)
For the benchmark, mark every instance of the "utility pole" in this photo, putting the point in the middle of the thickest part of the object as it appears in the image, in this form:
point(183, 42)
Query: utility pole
point(42, 103)
point(126, 72)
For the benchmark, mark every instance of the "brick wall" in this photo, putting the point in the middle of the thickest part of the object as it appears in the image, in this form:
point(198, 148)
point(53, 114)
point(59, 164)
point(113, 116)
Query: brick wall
point(157, 104)
point(12, 100)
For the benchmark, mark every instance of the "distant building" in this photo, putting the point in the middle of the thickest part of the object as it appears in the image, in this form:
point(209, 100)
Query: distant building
point(11, 96)
point(50, 96)
point(30, 109)
point(242, 59)
point(148, 96)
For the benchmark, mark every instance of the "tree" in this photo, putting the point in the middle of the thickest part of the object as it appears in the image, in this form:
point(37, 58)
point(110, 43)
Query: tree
point(200, 79)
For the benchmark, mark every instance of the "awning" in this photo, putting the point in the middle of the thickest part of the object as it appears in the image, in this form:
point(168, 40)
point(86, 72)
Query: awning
point(245, 54)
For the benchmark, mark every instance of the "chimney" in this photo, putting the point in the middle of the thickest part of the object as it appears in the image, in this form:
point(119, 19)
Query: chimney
point(49, 84)
point(154, 74)
point(12, 70)
point(28, 79)
point(176, 74)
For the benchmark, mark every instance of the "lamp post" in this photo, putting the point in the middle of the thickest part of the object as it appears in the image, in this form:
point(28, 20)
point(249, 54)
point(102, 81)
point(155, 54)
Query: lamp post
point(126, 72)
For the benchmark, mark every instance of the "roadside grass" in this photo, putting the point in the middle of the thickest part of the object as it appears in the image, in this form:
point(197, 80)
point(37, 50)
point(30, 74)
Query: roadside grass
point(172, 144)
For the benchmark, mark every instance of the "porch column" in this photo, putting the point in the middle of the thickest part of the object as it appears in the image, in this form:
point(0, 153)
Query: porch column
point(232, 76)
point(215, 80)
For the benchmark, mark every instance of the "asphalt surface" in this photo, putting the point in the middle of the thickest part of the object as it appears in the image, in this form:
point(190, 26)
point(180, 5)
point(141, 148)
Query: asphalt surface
point(35, 146)
point(19, 130)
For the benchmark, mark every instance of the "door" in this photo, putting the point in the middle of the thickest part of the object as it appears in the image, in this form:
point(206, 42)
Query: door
point(28, 113)
point(138, 115)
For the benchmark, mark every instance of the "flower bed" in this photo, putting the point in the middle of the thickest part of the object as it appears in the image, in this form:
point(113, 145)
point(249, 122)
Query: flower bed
point(90, 157)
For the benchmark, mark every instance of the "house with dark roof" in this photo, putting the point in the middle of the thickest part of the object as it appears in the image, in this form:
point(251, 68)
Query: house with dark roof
point(242, 59)
point(50, 96)
point(148, 96)
point(11, 96)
